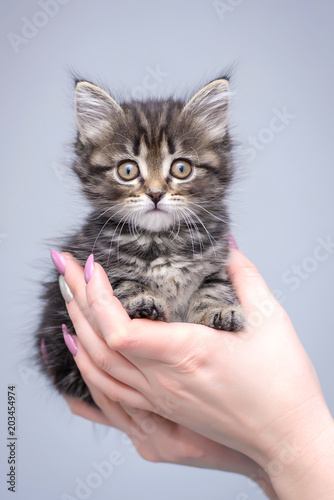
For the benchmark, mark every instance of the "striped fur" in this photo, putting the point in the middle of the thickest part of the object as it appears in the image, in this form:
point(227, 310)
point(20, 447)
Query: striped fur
point(162, 240)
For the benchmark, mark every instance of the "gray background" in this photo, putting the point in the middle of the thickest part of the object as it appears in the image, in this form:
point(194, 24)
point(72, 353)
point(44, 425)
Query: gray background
point(283, 202)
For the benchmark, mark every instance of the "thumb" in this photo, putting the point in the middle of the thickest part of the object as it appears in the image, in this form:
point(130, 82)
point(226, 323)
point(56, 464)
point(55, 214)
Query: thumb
point(251, 289)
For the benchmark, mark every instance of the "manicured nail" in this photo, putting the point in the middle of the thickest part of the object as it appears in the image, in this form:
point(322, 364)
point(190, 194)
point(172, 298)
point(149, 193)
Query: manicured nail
point(232, 242)
point(59, 261)
point(65, 289)
point(44, 352)
point(70, 341)
point(89, 268)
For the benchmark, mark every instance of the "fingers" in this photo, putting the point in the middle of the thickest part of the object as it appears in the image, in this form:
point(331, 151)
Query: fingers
point(104, 358)
point(74, 277)
point(101, 383)
point(138, 337)
point(110, 396)
point(109, 413)
point(84, 410)
point(85, 327)
point(106, 308)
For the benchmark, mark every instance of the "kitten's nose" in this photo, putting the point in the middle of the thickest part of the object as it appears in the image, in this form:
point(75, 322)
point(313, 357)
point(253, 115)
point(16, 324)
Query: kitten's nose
point(155, 196)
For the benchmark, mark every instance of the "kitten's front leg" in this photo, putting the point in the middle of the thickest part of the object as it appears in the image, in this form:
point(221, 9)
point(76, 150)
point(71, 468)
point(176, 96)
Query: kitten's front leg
point(215, 304)
point(139, 301)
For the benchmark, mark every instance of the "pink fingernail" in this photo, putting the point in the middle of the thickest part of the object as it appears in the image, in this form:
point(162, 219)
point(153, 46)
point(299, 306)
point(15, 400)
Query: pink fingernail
point(59, 261)
point(70, 341)
point(232, 242)
point(44, 352)
point(89, 268)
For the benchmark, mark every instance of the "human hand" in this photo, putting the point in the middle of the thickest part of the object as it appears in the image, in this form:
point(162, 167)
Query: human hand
point(160, 440)
point(156, 438)
point(213, 378)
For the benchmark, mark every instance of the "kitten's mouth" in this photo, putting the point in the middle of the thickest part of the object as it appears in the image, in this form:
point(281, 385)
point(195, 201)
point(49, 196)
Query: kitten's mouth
point(156, 210)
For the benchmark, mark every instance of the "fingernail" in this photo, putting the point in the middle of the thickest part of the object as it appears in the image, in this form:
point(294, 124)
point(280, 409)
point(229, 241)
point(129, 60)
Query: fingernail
point(89, 268)
point(232, 242)
point(44, 352)
point(65, 289)
point(59, 261)
point(69, 341)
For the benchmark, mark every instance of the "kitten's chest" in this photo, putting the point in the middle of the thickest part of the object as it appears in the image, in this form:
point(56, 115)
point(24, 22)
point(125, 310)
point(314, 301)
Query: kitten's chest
point(176, 280)
point(167, 269)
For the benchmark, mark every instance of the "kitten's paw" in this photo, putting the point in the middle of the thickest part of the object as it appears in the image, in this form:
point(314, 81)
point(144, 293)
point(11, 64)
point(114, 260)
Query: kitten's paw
point(228, 318)
point(145, 306)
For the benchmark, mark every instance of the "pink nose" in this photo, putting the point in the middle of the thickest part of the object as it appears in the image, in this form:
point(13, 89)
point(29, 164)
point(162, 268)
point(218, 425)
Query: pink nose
point(155, 196)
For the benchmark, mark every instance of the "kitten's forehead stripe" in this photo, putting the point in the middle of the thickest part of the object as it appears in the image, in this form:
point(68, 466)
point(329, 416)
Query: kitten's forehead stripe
point(171, 145)
point(162, 133)
point(141, 123)
point(136, 145)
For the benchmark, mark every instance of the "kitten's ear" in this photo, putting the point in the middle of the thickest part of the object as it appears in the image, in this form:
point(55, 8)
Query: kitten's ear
point(209, 106)
point(95, 110)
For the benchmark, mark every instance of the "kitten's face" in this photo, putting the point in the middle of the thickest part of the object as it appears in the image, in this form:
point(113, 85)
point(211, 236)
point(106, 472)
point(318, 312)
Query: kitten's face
point(154, 164)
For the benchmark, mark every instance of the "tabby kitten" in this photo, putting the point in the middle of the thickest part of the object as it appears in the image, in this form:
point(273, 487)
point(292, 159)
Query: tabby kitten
point(156, 174)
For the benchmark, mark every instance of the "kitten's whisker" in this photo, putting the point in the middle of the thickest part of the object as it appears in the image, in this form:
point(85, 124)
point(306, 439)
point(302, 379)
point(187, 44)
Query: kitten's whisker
point(134, 225)
point(112, 238)
point(195, 154)
point(210, 213)
point(135, 217)
point(198, 233)
point(211, 238)
point(172, 230)
point(136, 214)
point(119, 238)
point(104, 225)
point(127, 141)
point(179, 226)
point(187, 134)
point(174, 221)
point(186, 219)
point(107, 210)
point(124, 137)
point(106, 146)
point(129, 225)
point(209, 200)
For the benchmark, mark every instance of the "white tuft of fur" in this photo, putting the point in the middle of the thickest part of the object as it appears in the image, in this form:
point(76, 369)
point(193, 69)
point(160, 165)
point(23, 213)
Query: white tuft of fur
point(94, 110)
point(210, 107)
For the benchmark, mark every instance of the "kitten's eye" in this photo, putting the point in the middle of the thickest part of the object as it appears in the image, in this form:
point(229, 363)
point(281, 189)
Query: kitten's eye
point(181, 169)
point(128, 170)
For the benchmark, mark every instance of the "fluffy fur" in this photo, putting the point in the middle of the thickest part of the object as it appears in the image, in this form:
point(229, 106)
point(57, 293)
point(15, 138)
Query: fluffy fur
point(162, 235)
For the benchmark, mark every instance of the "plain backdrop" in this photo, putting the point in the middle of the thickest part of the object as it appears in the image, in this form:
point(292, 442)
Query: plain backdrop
point(282, 122)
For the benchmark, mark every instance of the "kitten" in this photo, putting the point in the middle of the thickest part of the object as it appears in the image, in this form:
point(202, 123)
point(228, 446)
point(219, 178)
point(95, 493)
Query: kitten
point(156, 174)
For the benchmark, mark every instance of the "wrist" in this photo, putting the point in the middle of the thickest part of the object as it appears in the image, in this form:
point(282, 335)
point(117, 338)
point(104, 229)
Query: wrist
point(247, 467)
point(228, 460)
point(301, 462)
